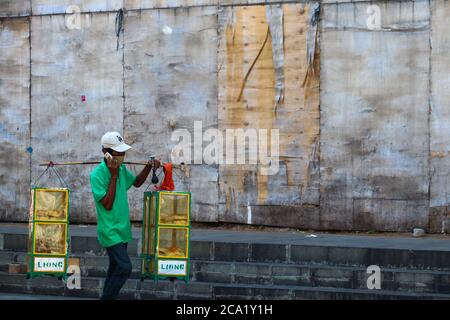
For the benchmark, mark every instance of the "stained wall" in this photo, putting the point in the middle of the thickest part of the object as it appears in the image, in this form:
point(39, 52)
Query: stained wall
point(361, 112)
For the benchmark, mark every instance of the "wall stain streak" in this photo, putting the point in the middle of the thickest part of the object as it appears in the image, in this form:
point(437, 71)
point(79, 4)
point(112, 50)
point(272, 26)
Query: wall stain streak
point(273, 98)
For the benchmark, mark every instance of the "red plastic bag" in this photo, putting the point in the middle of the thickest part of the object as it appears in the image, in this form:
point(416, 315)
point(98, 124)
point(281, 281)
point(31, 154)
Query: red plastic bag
point(167, 183)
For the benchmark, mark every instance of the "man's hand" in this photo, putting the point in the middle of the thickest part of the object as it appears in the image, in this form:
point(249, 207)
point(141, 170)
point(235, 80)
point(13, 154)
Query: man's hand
point(155, 163)
point(113, 166)
point(142, 176)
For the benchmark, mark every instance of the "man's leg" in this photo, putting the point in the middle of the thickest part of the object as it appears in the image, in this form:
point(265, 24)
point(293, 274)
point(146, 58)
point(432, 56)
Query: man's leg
point(111, 269)
point(122, 271)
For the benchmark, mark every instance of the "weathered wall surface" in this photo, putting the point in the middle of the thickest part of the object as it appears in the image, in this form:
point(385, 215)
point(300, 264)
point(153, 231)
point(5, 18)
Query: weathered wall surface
point(66, 64)
point(361, 113)
point(170, 71)
point(14, 8)
point(15, 118)
point(374, 118)
point(440, 106)
point(265, 92)
point(40, 7)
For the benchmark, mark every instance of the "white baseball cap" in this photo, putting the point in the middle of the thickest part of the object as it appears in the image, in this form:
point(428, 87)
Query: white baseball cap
point(114, 140)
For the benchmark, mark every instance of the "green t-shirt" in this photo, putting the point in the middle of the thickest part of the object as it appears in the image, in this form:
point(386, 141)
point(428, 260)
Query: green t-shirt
point(113, 226)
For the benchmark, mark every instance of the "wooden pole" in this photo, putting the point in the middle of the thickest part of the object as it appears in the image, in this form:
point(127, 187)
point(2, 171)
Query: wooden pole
point(51, 163)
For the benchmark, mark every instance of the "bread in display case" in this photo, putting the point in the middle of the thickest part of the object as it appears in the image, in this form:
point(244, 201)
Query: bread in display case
point(173, 242)
point(51, 205)
point(166, 235)
point(48, 239)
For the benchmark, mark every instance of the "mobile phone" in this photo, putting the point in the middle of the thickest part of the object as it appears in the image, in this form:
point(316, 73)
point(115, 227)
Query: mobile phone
point(108, 156)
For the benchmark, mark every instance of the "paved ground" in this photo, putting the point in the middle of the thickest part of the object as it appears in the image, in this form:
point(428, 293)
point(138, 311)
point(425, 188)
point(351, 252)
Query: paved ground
point(295, 238)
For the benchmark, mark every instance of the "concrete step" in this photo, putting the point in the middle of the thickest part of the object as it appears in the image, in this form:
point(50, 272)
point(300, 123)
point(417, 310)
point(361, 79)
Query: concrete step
point(21, 297)
point(278, 247)
point(307, 275)
point(230, 264)
point(148, 289)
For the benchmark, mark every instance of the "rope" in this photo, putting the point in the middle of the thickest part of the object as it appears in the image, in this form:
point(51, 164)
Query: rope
point(50, 167)
point(60, 178)
point(37, 180)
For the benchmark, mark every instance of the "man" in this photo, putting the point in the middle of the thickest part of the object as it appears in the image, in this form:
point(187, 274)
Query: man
point(110, 181)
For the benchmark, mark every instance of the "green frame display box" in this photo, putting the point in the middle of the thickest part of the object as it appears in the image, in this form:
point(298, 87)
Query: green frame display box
point(166, 229)
point(48, 234)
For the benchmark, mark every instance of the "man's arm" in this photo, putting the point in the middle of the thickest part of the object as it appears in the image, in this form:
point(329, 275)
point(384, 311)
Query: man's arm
point(108, 199)
point(142, 176)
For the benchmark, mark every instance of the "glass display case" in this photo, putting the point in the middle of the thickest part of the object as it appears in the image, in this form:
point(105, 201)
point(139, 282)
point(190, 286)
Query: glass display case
point(166, 235)
point(48, 232)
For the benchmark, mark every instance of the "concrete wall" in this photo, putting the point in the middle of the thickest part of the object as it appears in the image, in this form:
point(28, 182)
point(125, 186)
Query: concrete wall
point(361, 113)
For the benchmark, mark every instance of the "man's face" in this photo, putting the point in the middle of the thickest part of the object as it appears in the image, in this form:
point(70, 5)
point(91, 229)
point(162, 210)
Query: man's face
point(118, 156)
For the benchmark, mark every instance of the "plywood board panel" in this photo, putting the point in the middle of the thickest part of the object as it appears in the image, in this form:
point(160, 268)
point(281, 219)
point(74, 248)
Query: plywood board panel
point(374, 123)
point(9, 8)
point(170, 83)
point(15, 119)
point(440, 105)
point(158, 4)
point(262, 68)
point(66, 64)
point(70, 6)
